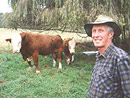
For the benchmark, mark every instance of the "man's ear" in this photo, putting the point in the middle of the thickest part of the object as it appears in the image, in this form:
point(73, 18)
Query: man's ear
point(111, 34)
point(8, 40)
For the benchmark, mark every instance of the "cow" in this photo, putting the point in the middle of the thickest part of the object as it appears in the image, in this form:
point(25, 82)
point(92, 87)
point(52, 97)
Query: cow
point(69, 49)
point(33, 45)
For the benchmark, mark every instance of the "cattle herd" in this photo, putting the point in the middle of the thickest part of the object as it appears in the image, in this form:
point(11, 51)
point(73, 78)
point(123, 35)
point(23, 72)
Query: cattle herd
point(33, 45)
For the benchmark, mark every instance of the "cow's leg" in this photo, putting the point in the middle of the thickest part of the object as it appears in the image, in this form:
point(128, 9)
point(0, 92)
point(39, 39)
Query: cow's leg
point(26, 59)
point(54, 59)
point(29, 61)
point(72, 58)
point(60, 59)
point(69, 60)
point(67, 57)
point(45, 56)
point(35, 60)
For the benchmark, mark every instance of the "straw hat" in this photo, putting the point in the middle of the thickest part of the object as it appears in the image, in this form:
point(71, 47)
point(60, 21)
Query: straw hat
point(103, 20)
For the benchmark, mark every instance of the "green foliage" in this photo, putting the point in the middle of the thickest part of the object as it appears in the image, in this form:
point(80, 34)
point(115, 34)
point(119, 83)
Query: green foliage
point(0, 20)
point(17, 81)
point(65, 15)
point(1, 17)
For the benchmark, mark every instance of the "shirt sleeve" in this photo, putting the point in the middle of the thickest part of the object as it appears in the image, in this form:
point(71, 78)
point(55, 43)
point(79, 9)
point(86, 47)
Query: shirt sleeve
point(124, 72)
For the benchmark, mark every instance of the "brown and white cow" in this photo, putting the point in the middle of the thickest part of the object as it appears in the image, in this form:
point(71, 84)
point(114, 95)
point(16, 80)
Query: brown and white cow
point(69, 49)
point(33, 45)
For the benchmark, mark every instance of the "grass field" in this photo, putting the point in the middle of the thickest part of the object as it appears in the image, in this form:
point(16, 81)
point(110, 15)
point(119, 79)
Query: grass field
point(17, 81)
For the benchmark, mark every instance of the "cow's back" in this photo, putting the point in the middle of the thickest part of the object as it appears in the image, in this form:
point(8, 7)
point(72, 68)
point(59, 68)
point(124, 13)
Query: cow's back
point(49, 43)
point(44, 44)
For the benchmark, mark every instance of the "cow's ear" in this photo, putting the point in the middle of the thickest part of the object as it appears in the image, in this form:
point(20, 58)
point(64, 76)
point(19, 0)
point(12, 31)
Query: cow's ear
point(8, 40)
point(73, 38)
point(78, 43)
point(66, 44)
point(23, 35)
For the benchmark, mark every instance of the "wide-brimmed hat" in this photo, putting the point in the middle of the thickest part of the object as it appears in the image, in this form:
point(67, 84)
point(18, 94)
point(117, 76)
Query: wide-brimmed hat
point(102, 19)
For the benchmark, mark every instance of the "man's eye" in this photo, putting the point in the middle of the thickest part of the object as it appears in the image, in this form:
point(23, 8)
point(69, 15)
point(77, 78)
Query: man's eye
point(100, 31)
point(93, 31)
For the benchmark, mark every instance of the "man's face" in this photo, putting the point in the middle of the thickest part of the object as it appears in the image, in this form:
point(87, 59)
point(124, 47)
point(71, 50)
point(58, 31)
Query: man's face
point(100, 36)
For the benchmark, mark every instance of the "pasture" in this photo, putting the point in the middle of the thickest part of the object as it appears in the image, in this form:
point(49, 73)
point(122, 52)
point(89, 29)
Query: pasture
point(17, 81)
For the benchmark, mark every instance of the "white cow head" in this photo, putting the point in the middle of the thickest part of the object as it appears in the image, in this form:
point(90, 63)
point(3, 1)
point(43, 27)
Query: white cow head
point(16, 41)
point(72, 44)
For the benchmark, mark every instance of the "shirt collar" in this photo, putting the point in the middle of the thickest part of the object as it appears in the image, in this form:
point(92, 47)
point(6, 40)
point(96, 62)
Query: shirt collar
point(106, 52)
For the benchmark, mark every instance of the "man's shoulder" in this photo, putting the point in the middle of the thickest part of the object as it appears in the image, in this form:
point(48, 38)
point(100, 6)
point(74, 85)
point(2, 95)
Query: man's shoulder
point(119, 52)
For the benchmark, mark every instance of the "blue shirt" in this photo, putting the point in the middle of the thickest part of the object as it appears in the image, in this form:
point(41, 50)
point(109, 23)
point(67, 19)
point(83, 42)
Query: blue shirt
point(111, 74)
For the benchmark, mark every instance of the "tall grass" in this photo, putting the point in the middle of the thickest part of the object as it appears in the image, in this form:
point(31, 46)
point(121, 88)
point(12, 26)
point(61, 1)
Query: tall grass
point(17, 81)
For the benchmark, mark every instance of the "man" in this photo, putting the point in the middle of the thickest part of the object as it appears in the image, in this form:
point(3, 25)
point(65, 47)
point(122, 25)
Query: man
point(111, 74)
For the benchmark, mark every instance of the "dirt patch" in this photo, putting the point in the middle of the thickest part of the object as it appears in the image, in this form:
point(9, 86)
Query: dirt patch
point(3, 81)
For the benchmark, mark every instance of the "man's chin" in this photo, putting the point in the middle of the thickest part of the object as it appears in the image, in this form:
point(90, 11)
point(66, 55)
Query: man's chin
point(98, 46)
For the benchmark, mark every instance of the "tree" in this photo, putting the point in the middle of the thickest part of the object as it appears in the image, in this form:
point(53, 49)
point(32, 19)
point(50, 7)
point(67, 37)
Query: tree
point(66, 14)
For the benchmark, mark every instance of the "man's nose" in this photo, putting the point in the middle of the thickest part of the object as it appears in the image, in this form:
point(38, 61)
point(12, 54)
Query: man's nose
point(95, 34)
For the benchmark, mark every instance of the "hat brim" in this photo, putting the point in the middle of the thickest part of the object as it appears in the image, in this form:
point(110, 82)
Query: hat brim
point(116, 28)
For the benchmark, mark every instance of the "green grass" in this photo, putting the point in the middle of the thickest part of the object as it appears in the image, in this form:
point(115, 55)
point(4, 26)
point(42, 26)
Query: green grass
point(17, 81)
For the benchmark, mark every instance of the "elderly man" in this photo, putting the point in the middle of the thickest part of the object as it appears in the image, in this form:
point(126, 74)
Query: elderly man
point(111, 73)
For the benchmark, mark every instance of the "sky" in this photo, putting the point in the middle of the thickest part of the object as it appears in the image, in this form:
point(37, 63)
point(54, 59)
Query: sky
point(4, 6)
